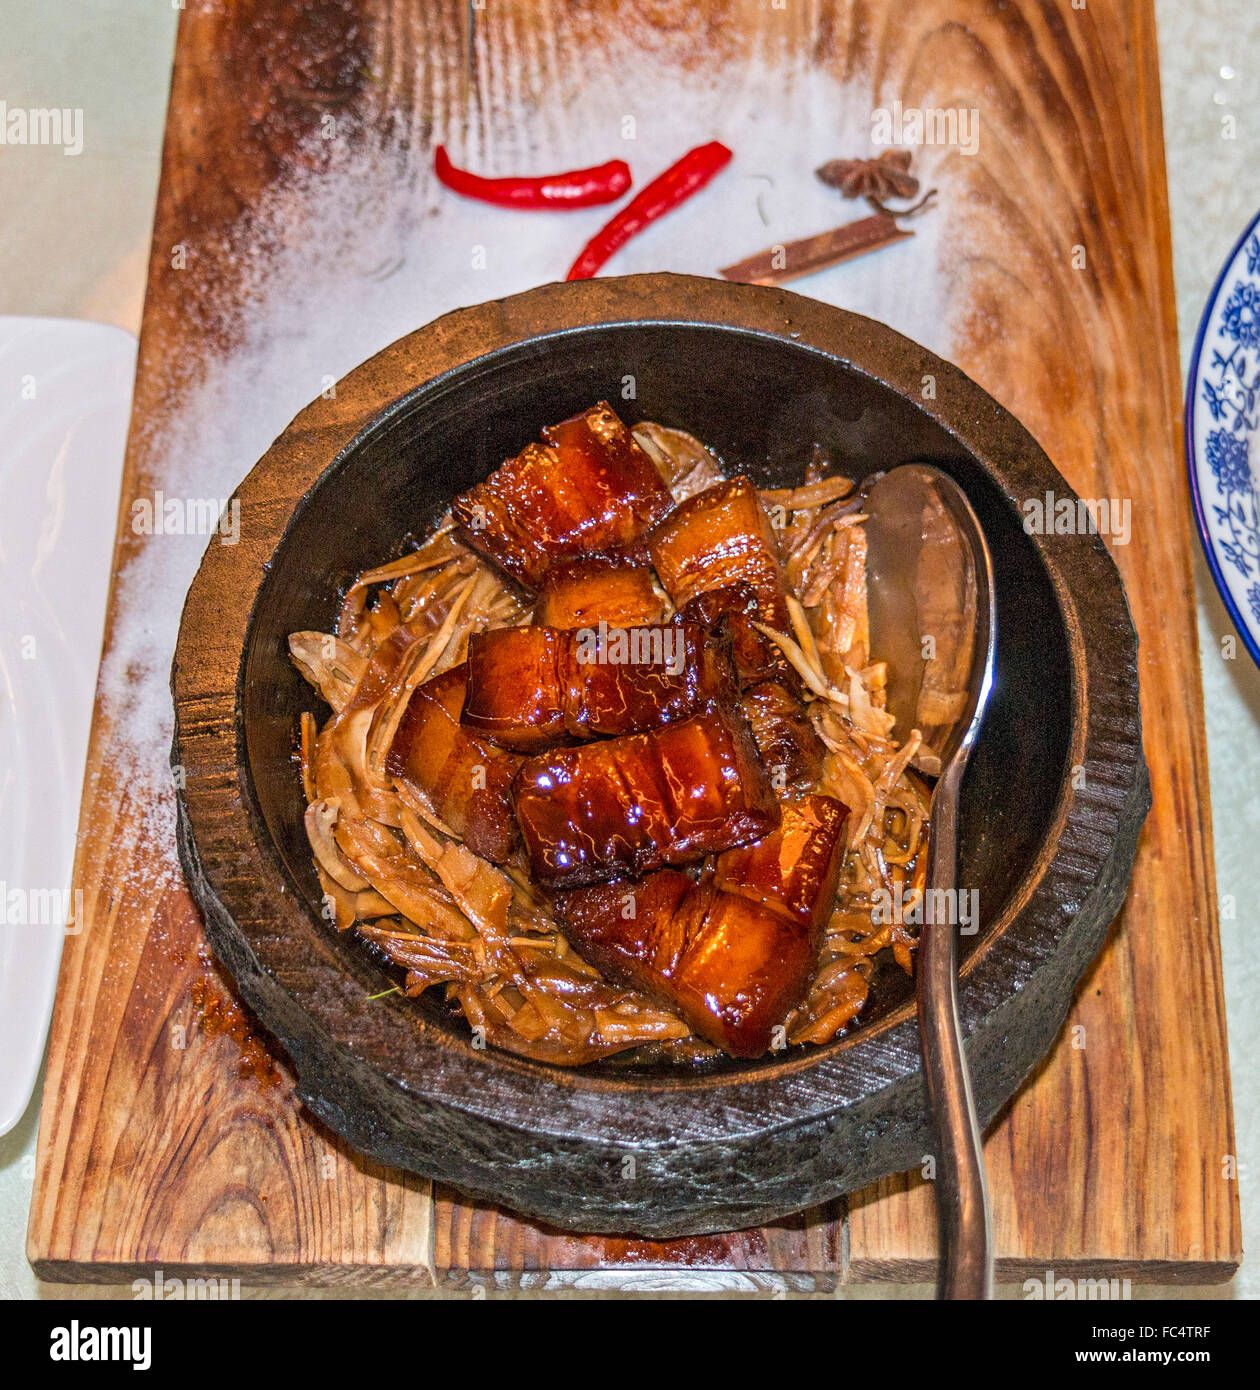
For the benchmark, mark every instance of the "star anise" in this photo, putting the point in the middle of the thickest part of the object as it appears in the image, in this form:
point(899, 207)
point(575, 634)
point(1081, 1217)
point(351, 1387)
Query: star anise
point(876, 180)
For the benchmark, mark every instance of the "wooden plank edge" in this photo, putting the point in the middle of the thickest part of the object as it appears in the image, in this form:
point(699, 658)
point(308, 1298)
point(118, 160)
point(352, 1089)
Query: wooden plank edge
point(1019, 1269)
point(322, 1274)
point(652, 1278)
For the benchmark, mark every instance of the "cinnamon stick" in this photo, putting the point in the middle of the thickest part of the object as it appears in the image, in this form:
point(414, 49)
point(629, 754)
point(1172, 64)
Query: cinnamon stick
point(790, 260)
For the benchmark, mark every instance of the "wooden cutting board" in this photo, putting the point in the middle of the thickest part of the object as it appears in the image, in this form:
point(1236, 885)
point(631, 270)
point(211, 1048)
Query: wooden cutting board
point(168, 1138)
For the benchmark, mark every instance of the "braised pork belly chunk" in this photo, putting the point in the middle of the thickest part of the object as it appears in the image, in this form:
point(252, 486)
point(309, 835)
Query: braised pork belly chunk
point(599, 589)
point(516, 693)
point(466, 780)
point(795, 870)
point(629, 805)
point(737, 608)
point(788, 743)
point(531, 687)
point(733, 953)
point(720, 537)
point(587, 488)
point(732, 968)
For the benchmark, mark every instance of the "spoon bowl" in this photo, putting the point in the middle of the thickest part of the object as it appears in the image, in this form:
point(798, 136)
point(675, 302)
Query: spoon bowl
point(932, 603)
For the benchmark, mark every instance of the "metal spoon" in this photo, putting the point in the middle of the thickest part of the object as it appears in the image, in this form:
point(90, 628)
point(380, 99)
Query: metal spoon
point(933, 618)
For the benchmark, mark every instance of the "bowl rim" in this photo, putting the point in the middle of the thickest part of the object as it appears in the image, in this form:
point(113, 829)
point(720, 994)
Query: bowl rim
point(1069, 896)
point(1248, 630)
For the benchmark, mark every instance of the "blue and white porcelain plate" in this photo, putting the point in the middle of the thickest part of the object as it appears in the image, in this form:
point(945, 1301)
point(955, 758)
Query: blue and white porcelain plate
point(1223, 434)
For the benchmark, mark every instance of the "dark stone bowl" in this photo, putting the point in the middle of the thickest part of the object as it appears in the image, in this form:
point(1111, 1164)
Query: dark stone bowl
point(1053, 803)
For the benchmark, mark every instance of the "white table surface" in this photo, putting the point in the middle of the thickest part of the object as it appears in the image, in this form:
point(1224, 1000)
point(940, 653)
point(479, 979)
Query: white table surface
point(74, 242)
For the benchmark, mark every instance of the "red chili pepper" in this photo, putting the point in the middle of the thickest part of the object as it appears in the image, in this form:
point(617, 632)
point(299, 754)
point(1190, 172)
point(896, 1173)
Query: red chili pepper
point(580, 188)
point(662, 195)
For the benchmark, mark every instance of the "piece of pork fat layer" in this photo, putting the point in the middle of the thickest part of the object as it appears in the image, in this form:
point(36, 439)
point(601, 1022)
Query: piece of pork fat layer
point(795, 871)
point(587, 488)
point(732, 968)
point(629, 805)
point(599, 589)
point(532, 687)
point(465, 780)
point(720, 537)
point(786, 739)
point(736, 607)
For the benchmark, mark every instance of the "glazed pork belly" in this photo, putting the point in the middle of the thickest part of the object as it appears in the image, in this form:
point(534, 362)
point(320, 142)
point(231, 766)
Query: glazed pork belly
point(598, 589)
point(465, 780)
point(627, 806)
point(717, 557)
point(532, 687)
point(795, 871)
point(717, 538)
point(587, 488)
point(731, 968)
point(736, 607)
point(787, 741)
point(734, 954)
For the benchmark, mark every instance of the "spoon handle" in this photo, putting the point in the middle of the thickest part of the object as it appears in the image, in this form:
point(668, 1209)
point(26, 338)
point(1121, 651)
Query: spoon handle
point(962, 1200)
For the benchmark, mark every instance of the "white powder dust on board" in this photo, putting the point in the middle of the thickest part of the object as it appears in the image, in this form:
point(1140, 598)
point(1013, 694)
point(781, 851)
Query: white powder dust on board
point(373, 247)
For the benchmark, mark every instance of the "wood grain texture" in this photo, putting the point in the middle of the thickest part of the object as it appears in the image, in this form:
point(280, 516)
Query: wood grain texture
point(1111, 1159)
